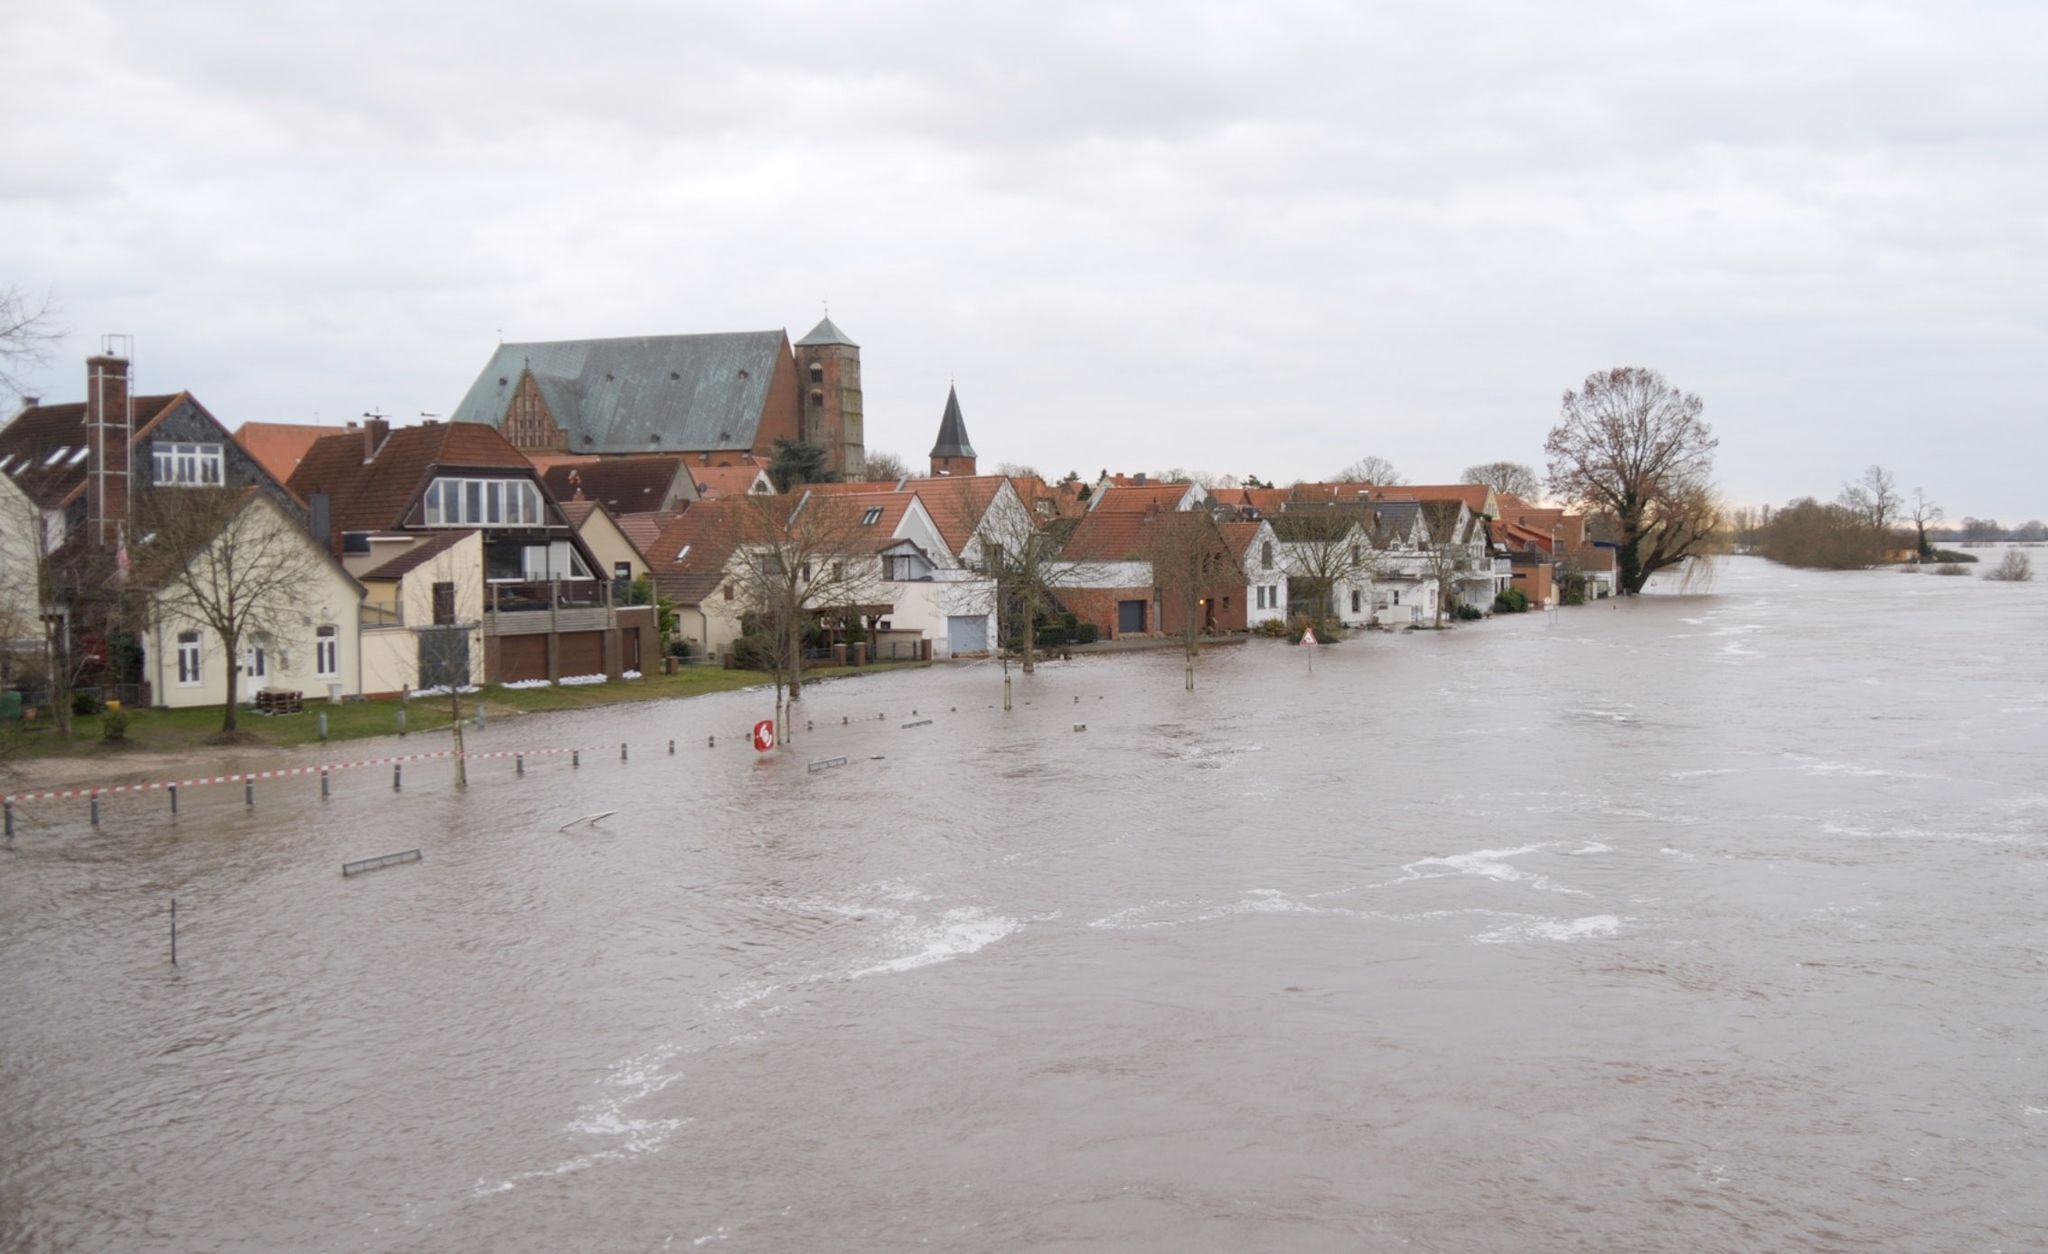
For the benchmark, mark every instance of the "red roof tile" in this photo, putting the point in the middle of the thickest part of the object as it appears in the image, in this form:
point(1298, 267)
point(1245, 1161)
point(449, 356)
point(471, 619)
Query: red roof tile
point(376, 493)
point(278, 446)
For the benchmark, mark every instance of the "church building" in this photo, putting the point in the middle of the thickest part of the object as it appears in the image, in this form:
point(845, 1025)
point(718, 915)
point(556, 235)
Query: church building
point(723, 397)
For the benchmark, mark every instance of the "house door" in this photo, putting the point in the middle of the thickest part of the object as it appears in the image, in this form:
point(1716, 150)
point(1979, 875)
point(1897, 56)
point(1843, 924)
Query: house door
point(444, 657)
point(967, 633)
point(1130, 618)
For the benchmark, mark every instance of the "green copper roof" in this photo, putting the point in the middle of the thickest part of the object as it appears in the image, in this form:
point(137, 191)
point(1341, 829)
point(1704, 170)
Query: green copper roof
point(825, 333)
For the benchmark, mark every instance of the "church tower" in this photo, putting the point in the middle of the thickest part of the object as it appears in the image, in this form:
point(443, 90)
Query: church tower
point(952, 455)
point(828, 378)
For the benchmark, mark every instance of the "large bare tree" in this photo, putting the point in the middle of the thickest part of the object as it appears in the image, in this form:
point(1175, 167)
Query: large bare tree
point(797, 560)
point(1505, 477)
point(1370, 469)
point(1877, 500)
point(1632, 447)
point(1026, 572)
point(228, 561)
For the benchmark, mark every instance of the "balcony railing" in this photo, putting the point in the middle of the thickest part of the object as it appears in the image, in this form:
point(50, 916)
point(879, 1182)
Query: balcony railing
point(530, 607)
point(379, 614)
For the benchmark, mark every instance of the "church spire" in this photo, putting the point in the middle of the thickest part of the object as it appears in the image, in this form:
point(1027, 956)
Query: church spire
point(952, 454)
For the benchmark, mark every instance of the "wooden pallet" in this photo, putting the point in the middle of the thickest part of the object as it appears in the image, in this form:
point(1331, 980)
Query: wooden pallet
point(280, 701)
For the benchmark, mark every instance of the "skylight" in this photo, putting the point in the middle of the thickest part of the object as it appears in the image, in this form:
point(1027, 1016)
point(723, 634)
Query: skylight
point(873, 516)
point(684, 553)
point(5, 462)
point(56, 455)
point(76, 458)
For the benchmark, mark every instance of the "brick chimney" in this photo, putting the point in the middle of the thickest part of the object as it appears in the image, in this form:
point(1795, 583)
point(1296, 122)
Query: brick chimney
point(374, 431)
point(108, 424)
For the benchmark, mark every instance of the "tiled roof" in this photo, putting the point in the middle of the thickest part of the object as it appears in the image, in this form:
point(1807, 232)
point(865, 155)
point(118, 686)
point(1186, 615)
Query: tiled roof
point(1261, 502)
point(1473, 495)
point(1350, 491)
point(1394, 520)
point(717, 481)
point(1110, 537)
point(1138, 498)
point(872, 517)
point(825, 333)
point(694, 391)
point(687, 556)
point(577, 511)
point(1238, 537)
point(958, 504)
point(626, 485)
point(376, 494)
point(642, 529)
point(30, 446)
point(278, 446)
point(417, 553)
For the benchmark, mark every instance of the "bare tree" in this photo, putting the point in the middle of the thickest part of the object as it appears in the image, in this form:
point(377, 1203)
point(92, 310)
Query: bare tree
point(1923, 512)
point(793, 562)
point(1322, 549)
point(226, 560)
point(1632, 447)
point(1371, 469)
point(885, 468)
point(1875, 499)
point(1026, 573)
point(1511, 477)
point(27, 334)
point(448, 648)
point(2014, 567)
point(1018, 470)
point(1189, 559)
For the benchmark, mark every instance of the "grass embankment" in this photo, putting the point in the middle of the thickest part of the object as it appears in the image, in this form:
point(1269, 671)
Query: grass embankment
point(181, 731)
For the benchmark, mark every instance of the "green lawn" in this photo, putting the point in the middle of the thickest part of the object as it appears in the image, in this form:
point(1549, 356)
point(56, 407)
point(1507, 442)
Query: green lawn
point(190, 730)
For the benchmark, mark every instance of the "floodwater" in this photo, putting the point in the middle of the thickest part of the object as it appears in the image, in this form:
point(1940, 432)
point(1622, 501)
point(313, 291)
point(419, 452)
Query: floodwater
point(1703, 922)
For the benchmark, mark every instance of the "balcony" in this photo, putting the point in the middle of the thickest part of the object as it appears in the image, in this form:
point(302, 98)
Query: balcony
point(533, 608)
point(382, 614)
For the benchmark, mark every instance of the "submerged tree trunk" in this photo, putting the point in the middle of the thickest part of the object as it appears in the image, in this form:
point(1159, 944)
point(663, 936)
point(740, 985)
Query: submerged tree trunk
point(229, 714)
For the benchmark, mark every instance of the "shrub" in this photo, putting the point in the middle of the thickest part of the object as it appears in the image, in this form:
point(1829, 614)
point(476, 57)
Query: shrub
point(1086, 633)
point(1273, 629)
point(1950, 568)
point(114, 724)
point(753, 653)
point(679, 649)
point(1050, 636)
point(1952, 556)
point(1511, 601)
point(86, 701)
point(2012, 568)
point(1468, 613)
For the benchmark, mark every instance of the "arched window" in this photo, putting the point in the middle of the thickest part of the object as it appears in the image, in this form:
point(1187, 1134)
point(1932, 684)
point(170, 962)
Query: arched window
point(817, 373)
point(327, 652)
point(1266, 555)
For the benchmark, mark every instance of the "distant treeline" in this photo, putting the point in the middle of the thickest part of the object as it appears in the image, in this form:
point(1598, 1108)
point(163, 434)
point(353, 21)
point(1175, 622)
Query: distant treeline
point(1871, 522)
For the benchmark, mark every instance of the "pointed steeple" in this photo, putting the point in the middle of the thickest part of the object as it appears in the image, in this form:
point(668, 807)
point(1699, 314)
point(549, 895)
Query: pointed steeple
point(952, 454)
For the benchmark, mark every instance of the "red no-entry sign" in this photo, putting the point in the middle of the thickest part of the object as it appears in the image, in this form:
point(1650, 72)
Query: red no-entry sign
point(764, 735)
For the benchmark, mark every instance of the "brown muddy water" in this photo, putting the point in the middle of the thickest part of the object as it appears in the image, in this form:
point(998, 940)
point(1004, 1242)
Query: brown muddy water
point(1704, 922)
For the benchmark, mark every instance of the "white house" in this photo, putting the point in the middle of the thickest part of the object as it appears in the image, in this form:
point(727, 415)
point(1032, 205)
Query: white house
point(1259, 552)
point(307, 641)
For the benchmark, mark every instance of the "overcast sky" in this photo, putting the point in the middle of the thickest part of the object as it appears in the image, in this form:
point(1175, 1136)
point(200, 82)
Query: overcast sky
point(1242, 238)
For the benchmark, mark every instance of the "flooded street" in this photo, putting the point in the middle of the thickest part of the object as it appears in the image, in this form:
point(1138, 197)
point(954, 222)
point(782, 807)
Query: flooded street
point(1703, 922)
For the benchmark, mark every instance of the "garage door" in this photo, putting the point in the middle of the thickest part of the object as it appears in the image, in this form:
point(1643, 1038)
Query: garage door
point(967, 633)
point(1130, 618)
point(580, 653)
point(522, 657)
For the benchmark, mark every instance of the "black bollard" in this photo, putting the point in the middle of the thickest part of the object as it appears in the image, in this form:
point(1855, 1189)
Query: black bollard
point(622, 751)
point(575, 757)
point(519, 763)
point(397, 776)
point(323, 783)
point(95, 809)
point(249, 792)
point(710, 742)
point(10, 820)
point(671, 746)
point(174, 799)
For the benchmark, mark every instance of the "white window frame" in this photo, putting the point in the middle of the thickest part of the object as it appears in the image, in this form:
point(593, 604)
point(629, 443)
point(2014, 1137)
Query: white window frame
point(179, 464)
point(191, 656)
point(462, 502)
point(327, 652)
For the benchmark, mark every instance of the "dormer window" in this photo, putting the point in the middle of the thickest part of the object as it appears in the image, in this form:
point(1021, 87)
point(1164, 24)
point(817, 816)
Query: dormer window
point(186, 465)
point(454, 502)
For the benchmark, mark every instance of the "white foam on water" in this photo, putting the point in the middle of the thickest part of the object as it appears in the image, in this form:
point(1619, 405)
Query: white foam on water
point(1840, 768)
point(1712, 770)
point(1490, 864)
point(961, 931)
point(1679, 854)
point(1592, 925)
